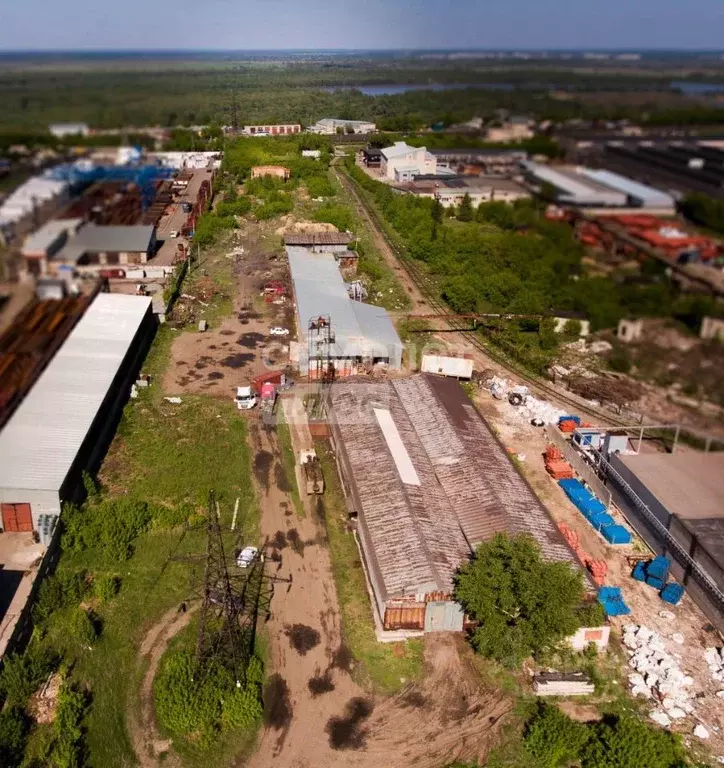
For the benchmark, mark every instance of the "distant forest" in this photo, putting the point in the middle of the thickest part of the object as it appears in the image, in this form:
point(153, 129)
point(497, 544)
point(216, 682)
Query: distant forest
point(108, 94)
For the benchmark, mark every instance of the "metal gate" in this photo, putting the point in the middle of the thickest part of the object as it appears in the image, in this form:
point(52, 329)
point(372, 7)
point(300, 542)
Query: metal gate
point(443, 617)
point(17, 518)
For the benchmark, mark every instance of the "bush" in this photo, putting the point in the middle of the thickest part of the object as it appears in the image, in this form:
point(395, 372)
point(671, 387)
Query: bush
point(68, 748)
point(318, 186)
point(13, 734)
point(238, 207)
point(280, 206)
point(523, 604)
point(199, 704)
point(335, 213)
point(111, 525)
point(60, 591)
point(22, 675)
point(81, 627)
point(106, 587)
point(553, 739)
point(619, 359)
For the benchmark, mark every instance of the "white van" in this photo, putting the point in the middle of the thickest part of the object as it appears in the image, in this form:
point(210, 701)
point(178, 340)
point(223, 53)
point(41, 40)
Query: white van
point(245, 398)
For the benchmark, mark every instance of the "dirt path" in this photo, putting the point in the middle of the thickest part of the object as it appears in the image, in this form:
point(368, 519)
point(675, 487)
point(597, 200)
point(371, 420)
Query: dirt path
point(316, 716)
point(147, 742)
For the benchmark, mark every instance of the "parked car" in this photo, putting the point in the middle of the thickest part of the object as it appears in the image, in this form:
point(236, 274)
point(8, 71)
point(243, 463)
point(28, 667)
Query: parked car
point(245, 398)
point(247, 556)
point(277, 331)
point(173, 234)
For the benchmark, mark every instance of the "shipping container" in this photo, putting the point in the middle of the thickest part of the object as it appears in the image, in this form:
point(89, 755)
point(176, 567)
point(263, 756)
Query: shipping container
point(456, 367)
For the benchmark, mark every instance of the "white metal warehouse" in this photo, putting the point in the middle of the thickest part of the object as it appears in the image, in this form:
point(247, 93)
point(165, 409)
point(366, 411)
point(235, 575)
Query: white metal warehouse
point(363, 333)
point(64, 424)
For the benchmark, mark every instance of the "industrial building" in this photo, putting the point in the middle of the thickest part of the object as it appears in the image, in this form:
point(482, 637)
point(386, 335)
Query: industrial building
point(31, 204)
point(676, 503)
point(428, 481)
point(334, 330)
point(589, 188)
point(62, 130)
point(498, 162)
point(65, 422)
point(450, 192)
point(683, 166)
point(279, 171)
point(286, 129)
point(401, 162)
point(88, 249)
point(331, 125)
point(191, 160)
point(332, 242)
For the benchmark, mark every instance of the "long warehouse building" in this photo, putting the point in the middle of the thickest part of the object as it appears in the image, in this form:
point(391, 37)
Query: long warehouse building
point(428, 481)
point(359, 335)
point(64, 424)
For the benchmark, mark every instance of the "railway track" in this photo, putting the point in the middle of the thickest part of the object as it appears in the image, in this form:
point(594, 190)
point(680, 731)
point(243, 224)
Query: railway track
point(416, 275)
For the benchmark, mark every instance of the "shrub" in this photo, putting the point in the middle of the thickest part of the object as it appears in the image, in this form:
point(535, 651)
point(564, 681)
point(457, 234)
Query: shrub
point(81, 627)
point(22, 675)
point(110, 525)
point(619, 359)
point(552, 738)
point(199, 704)
point(238, 207)
point(318, 186)
point(68, 749)
point(58, 592)
point(524, 605)
point(106, 587)
point(335, 213)
point(13, 734)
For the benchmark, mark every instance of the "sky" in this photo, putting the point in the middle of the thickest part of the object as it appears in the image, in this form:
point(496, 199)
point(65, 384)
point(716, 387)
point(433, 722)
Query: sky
point(360, 24)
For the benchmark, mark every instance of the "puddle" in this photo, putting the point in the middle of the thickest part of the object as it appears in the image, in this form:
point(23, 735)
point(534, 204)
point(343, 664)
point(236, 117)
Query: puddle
point(236, 361)
point(320, 683)
point(302, 638)
point(277, 704)
point(215, 375)
point(262, 465)
point(347, 732)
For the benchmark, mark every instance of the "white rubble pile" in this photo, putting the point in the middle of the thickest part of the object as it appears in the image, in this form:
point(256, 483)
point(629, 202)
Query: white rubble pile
point(533, 408)
point(715, 659)
point(657, 675)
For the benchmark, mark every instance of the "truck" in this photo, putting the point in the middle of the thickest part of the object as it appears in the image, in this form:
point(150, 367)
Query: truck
point(268, 395)
point(312, 479)
point(263, 390)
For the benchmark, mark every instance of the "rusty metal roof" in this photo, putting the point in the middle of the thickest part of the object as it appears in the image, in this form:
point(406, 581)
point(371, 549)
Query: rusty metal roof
point(416, 541)
point(317, 238)
point(416, 535)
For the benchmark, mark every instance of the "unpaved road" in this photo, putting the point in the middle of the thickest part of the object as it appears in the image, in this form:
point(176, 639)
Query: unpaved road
point(316, 716)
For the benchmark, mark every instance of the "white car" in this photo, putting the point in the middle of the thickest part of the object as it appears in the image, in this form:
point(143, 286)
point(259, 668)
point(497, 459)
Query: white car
point(247, 556)
point(173, 234)
point(245, 398)
point(277, 331)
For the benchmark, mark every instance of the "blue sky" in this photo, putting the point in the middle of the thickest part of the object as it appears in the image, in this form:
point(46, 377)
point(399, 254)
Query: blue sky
point(264, 24)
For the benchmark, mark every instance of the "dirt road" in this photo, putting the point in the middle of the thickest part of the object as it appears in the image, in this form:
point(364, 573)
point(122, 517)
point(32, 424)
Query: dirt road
point(316, 716)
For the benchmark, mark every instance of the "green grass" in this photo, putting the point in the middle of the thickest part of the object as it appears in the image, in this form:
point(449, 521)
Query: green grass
point(386, 667)
point(289, 462)
point(170, 454)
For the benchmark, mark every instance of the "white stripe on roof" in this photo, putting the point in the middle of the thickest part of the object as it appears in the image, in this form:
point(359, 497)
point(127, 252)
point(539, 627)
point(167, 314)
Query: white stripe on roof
point(39, 443)
point(401, 457)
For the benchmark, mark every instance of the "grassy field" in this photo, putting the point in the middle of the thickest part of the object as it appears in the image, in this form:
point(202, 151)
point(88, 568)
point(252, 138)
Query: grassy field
point(289, 461)
point(387, 667)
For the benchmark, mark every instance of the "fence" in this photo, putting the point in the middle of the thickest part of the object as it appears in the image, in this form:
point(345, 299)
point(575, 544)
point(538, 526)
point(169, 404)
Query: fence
point(576, 460)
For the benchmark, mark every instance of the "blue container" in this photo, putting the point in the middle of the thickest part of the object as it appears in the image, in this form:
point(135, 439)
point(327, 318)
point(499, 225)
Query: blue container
point(672, 593)
point(639, 571)
point(654, 582)
point(617, 534)
point(601, 521)
point(659, 568)
point(612, 601)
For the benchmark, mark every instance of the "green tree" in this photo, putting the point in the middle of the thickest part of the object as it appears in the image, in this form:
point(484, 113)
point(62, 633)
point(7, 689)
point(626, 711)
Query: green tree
point(523, 604)
point(552, 738)
point(547, 333)
point(465, 209)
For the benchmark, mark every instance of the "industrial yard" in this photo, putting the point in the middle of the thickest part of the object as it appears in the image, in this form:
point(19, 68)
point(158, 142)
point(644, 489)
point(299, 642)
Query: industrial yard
point(253, 441)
